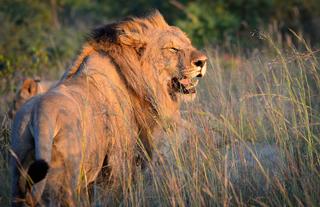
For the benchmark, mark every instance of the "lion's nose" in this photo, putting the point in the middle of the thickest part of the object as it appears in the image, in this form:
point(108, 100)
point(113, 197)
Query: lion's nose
point(199, 60)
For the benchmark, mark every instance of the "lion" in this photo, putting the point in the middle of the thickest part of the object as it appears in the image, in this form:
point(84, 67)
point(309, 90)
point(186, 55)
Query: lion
point(29, 88)
point(128, 81)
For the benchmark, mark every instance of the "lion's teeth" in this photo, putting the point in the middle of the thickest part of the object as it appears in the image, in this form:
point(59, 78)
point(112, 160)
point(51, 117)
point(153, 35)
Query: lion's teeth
point(189, 86)
point(195, 83)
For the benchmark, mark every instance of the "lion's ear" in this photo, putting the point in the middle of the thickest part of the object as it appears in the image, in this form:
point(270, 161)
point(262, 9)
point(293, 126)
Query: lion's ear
point(130, 38)
point(29, 88)
point(133, 39)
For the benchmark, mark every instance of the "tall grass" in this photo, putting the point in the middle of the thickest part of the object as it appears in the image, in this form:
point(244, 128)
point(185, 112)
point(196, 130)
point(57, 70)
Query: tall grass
point(257, 137)
point(254, 141)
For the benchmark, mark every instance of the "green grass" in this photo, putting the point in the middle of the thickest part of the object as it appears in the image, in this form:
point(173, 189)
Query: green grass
point(255, 137)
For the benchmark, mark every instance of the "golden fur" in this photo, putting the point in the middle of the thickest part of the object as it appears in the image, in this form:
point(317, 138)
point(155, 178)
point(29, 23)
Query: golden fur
point(29, 88)
point(127, 82)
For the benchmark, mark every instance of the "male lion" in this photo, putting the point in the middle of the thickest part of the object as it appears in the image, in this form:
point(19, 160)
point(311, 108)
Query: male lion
point(29, 88)
point(128, 80)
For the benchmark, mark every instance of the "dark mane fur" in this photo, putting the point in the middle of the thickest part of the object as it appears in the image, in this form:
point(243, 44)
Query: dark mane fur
point(110, 32)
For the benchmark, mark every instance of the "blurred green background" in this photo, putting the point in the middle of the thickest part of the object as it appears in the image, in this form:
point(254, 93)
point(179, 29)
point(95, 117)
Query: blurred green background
point(42, 37)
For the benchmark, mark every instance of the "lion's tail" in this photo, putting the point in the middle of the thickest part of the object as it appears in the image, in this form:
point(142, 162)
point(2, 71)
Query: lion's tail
point(37, 171)
point(41, 130)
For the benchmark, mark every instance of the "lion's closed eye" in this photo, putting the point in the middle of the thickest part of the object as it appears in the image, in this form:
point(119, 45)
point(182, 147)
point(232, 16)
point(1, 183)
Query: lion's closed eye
point(173, 49)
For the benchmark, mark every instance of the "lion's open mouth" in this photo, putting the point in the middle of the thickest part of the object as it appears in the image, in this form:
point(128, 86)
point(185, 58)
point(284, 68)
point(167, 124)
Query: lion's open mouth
point(185, 85)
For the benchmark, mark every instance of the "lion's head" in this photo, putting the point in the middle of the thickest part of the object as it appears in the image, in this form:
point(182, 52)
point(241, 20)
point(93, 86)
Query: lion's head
point(29, 88)
point(177, 62)
point(163, 53)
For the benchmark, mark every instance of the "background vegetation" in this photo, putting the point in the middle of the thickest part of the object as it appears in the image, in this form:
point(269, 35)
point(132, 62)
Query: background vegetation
point(258, 109)
point(40, 37)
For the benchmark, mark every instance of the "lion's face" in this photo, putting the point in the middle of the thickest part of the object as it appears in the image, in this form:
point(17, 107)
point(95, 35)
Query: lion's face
point(177, 61)
point(28, 90)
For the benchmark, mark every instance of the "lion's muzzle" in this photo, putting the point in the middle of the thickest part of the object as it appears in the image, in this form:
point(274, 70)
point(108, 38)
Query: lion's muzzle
point(188, 81)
